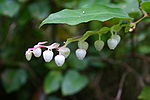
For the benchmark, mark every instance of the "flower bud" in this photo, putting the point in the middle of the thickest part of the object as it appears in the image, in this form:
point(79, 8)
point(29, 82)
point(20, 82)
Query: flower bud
point(37, 52)
point(59, 60)
point(80, 53)
point(131, 29)
point(64, 51)
point(28, 55)
point(116, 37)
point(83, 45)
point(48, 55)
point(99, 44)
point(112, 43)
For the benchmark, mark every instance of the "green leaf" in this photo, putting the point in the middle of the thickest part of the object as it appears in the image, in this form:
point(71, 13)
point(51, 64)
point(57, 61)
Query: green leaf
point(144, 49)
point(87, 3)
point(97, 12)
point(73, 82)
point(87, 34)
point(116, 28)
point(9, 7)
point(129, 6)
point(39, 10)
point(52, 81)
point(146, 6)
point(13, 79)
point(145, 94)
point(145, 0)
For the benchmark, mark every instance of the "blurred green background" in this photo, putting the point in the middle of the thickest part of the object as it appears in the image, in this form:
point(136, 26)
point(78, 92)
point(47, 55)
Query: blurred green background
point(97, 77)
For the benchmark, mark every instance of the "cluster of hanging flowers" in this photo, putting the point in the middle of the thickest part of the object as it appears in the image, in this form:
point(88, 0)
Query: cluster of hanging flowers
point(48, 53)
point(64, 51)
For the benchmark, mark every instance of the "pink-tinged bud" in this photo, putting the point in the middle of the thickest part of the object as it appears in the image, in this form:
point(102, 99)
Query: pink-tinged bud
point(99, 44)
point(64, 51)
point(28, 55)
point(112, 43)
point(80, 53)
point(117, 37)
point(48, 55)
point(42, 43)
point(55, 45)
point(83, 45)
point(37, 52)
point(59, 60)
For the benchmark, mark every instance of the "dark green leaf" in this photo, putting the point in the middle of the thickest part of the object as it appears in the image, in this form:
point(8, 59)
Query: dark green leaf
point(73, 82)
point(13, 79)
point(146, 6)
point(145, 0)
point(39, 10)
point(145, 94)
point(9, 7)
point(52, 81)
point(129, 6)
point(116, 28)
point(73, 17)
point(144, 49)
point(87, 3)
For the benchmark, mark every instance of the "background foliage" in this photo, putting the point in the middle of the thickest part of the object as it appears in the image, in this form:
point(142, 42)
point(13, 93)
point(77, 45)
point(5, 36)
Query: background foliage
point(98, 77)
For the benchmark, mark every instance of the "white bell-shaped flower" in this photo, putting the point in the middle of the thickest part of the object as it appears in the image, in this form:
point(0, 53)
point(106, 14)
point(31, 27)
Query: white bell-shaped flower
point(83, 45)
point(99, 44)
point(64, 51)
point(48, 55)
point(112, 43)
point(28, 55)
point(117, 37)
point(80, 53)
point(37, 52)
point(59, 60)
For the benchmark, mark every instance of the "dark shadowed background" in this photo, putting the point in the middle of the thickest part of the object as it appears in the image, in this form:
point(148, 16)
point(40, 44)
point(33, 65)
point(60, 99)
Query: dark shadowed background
point(98, 77)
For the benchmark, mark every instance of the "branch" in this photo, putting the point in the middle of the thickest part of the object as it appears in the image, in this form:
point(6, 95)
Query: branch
point(128, 68)
point(86, 35)
point(95, 85)
point(142, 11)
point(118, 96)
point(146, 58)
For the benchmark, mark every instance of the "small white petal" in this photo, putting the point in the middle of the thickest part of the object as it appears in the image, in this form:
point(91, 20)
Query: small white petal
point(28, 55)
point(112, 43)
point(64, 51)
point(37, 52)
point(80, 53)
point(117, 37)
point(48, 55)
point(99, 44)
point(59, 60)
point(83, 45)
